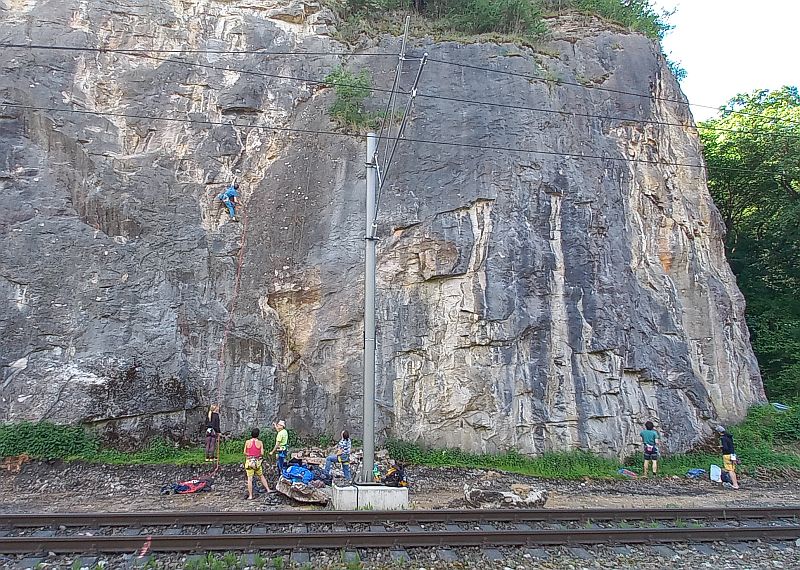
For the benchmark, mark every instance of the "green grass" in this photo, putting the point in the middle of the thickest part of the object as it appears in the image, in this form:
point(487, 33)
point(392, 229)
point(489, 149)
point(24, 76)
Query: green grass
point(572, 465)
point(766, 440)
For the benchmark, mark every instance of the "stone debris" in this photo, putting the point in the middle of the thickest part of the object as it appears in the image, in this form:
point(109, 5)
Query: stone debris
point(520, 497)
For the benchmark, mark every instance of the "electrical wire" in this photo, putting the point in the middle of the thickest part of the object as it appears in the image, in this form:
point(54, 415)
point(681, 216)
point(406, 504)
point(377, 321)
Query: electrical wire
point(194, 51)
point(600, 88)
point(355, 135)
point(143, 54)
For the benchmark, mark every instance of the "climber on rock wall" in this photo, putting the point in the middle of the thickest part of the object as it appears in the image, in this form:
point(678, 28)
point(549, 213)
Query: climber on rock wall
point(231, 199)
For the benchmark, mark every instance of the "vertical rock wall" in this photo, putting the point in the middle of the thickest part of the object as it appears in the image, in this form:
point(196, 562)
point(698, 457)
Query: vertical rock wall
point(541, 300)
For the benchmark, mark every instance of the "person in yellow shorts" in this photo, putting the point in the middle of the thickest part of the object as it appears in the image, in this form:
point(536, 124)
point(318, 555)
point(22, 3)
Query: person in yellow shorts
point(728, 455)
point(253, 458)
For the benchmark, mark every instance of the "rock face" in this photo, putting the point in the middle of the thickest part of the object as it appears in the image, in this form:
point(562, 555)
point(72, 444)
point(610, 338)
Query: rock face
point(552, 298)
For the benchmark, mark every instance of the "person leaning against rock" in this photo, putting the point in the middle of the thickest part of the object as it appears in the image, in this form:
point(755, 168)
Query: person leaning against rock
point(729, 460)
point(650, 441)
point(253, 459)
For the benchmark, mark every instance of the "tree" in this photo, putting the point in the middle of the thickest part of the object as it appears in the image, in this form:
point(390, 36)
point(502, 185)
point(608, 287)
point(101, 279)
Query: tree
point(753, 156)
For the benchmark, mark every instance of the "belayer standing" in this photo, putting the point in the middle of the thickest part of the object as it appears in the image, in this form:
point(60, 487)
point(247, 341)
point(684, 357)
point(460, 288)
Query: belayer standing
point(231, 199)
point(253, 458)
point(728, 455)
point(281, 445)
point(212, 432)
point(650, 441)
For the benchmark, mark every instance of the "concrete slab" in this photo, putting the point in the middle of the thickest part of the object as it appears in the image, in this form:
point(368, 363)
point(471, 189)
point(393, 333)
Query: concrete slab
point(27, 563)
point(662, 551)
point(44, 533)
point(447, 555)
point(399, 555)
point(740, 546)
point(215, 531)
point(173, 531)
point(351, 556)
point(131, 532)
point(259, 530)
point(522, 526)
point(88, 562)
point(581, 553)
point(703, 549)
point(621, 550)
point(493, 554)
point(539, 553)
point(300, 557)
point(370, 497)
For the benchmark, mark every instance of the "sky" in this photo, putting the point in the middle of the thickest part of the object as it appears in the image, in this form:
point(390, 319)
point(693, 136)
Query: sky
point(732, 46)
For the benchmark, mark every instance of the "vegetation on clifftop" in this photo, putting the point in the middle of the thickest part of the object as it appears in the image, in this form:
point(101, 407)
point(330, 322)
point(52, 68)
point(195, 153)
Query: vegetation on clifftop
point(516, 20)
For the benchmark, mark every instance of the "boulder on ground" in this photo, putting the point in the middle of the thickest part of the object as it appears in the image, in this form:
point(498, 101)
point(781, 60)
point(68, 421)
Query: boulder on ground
point(301, 493)
point(520, 497)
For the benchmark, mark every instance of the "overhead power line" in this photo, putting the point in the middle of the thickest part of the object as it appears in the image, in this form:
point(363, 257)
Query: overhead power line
point(530, 77)
point(194, 51)
point(314, 132)
point(144, 54)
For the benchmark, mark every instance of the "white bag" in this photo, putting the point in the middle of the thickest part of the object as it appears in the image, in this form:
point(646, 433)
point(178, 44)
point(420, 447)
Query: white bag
point(715, 472)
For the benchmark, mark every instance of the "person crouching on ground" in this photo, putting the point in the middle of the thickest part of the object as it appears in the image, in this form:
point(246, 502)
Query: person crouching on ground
point(253, 458)
point(342, 456)
point(281, 445)
point(650, 441)
point(212, 432)
point(728, 455)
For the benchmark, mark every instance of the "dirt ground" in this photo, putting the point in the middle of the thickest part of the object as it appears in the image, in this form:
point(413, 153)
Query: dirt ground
point(65, 487)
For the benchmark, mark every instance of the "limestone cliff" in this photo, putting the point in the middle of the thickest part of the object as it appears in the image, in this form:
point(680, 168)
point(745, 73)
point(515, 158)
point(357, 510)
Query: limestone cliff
point(537, 300)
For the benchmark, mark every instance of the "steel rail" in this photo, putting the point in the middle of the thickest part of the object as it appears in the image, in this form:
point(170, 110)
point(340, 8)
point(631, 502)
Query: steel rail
point(166, 518)
point(189, 543)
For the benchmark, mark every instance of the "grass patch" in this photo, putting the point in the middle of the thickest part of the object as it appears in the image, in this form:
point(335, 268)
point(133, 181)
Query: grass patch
point(767, 440)
point(572, 465)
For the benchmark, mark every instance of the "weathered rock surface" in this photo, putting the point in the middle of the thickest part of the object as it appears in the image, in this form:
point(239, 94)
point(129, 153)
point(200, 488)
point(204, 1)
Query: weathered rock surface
point(519, 497)
point(544, 300)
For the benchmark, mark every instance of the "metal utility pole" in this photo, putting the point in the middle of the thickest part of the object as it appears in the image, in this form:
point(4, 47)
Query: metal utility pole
point(369, 315)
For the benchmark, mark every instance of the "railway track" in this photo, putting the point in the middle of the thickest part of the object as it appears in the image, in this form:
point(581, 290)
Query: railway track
point(310, 530)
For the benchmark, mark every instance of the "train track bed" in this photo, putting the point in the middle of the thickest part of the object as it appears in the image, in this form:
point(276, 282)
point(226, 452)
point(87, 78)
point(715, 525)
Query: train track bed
point(676, 556)
point(440, 537)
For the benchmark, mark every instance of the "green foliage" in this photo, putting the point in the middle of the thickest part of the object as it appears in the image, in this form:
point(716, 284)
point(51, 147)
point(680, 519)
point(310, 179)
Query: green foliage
point(636, 15)
point(351, 90)
point(753, 155)
point(571, 465)
point(45, 440)
point(514, 20)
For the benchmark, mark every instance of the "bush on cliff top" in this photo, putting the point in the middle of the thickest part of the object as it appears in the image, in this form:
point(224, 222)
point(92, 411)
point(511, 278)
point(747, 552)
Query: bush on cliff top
point(519, 18)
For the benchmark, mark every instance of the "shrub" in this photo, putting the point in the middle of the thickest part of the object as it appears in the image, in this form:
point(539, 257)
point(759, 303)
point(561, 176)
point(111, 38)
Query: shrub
point(351, 91)
point(45, 440)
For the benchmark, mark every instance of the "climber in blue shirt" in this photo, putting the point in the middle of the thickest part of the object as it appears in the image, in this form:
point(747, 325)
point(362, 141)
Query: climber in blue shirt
point(231, 199)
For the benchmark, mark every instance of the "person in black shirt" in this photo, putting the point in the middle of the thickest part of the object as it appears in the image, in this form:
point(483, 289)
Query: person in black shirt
point(212, 432)
point(728, 455)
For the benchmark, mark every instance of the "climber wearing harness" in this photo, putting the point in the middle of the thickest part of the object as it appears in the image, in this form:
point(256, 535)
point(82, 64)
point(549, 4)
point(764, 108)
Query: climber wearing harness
point(231, 199)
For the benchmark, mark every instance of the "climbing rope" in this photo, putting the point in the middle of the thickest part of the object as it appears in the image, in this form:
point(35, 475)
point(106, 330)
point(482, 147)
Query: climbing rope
point(226, 331)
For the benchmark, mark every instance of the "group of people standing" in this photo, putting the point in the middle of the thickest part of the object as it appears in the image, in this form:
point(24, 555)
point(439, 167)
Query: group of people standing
point(651, 440)
point(254, 450)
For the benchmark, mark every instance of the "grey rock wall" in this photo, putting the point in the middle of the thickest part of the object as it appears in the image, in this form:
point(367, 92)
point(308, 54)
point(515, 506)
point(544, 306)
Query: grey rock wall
point(536, 300)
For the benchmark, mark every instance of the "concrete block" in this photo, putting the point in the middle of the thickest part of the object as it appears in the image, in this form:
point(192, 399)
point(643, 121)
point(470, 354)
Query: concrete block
point(370, 497)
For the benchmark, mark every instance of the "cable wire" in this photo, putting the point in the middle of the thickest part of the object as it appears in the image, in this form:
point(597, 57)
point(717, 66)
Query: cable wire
point(193, 51)
point(355, 135)
point(144, 55)
point(599, 88)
